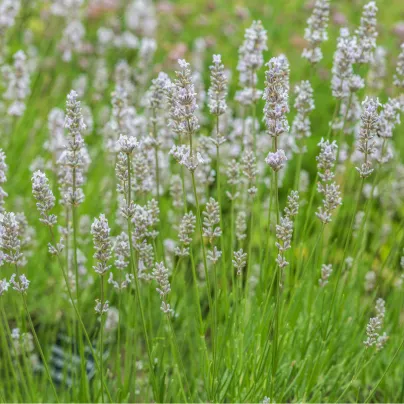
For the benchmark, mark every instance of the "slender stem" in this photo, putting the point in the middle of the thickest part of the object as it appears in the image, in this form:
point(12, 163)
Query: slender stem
point(76, 268)
point(334, 115)
point(102, 339)
point(176, 353)
point(341, 132)
point(133, 265)
point(70, 293)
point(24, 300)
point(348, 237)
point(8, 331)
point(298, 170)
point(355, 375)
point(118, 348)
point(385, 372)
point(199, 223)
point(308, 210)
point(156, 154)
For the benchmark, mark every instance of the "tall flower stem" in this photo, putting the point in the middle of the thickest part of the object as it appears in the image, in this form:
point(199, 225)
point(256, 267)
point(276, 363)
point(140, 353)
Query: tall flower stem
point(102, 340)
point(24, 300)
point(79, 318)
point(156, 154)
point(341, 132)
point(177, 356)
point(8, 331)
point(277, 275)
point(219, 198)
point(133, 266)
point(205, 265)
point(118, 348)
point(198, 305)
point(76, 269)
point(348, 237)
point(334, 115)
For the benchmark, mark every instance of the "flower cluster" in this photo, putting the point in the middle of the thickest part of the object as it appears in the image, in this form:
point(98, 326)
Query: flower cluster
point(316, 31)
point(10, 238)
point(21, 285)
point(218, 90)
point(123, 284)
point(74, 160)
point(187, 228)
point(102, 244)
point(182, 102)
point(101, 308)
point(160, 274)
point(250, 60)
point(4, 285)
point(234, 176)
point(8, 12)
point(367, 33)
point(276, 160)
point(326, 271)
point(344, 81)
point(329, 188)
point(249, 167)
point(3, 179)
point(326, 159)
point(17, 78)
point(368, 130)
point(157, 96)
point(399, 75)
point(377, 69)
point(211, 230)
point(182, 154)
point(304, 104)
point(44, 197)
point(374, 326)
point(239, 261)
point(276, 96)
point(284, 230)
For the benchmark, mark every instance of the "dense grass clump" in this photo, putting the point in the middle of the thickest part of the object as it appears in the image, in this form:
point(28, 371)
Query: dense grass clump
point(222, 223)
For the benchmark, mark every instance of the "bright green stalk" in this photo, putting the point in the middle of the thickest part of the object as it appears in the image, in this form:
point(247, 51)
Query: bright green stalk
point(81, 323)
point(134, 271)
point(102, 339)
point(24, 300)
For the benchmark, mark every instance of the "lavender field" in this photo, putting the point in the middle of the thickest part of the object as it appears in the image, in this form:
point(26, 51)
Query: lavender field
point(201, 201)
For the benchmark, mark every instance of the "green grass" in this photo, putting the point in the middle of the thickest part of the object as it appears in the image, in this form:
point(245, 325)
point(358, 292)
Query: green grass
point(320, 355)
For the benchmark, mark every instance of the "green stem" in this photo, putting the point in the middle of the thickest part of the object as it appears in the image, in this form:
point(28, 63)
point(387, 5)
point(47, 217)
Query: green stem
point(102, 339)
point(81, 323)
point(385, 372)
point(156, 152)
point(345, 253)
point(37, 340)
point(8, 332)
point(134, 271)
point(76, 268)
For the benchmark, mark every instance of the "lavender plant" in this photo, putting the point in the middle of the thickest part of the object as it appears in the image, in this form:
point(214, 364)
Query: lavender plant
point(273, 235)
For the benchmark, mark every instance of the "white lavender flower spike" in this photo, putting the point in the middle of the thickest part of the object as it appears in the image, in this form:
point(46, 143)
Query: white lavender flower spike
point(399, 75)
point(367, 33)
point(160, 274)
point(368, 130)
point(316, 31)
point(218, 90)
point(44, 197)
point(21, 284)
point(3, 179)
point(250, 60)
point(102, 244)
point(276, 160)
point(4, 285)
point(276, 96)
